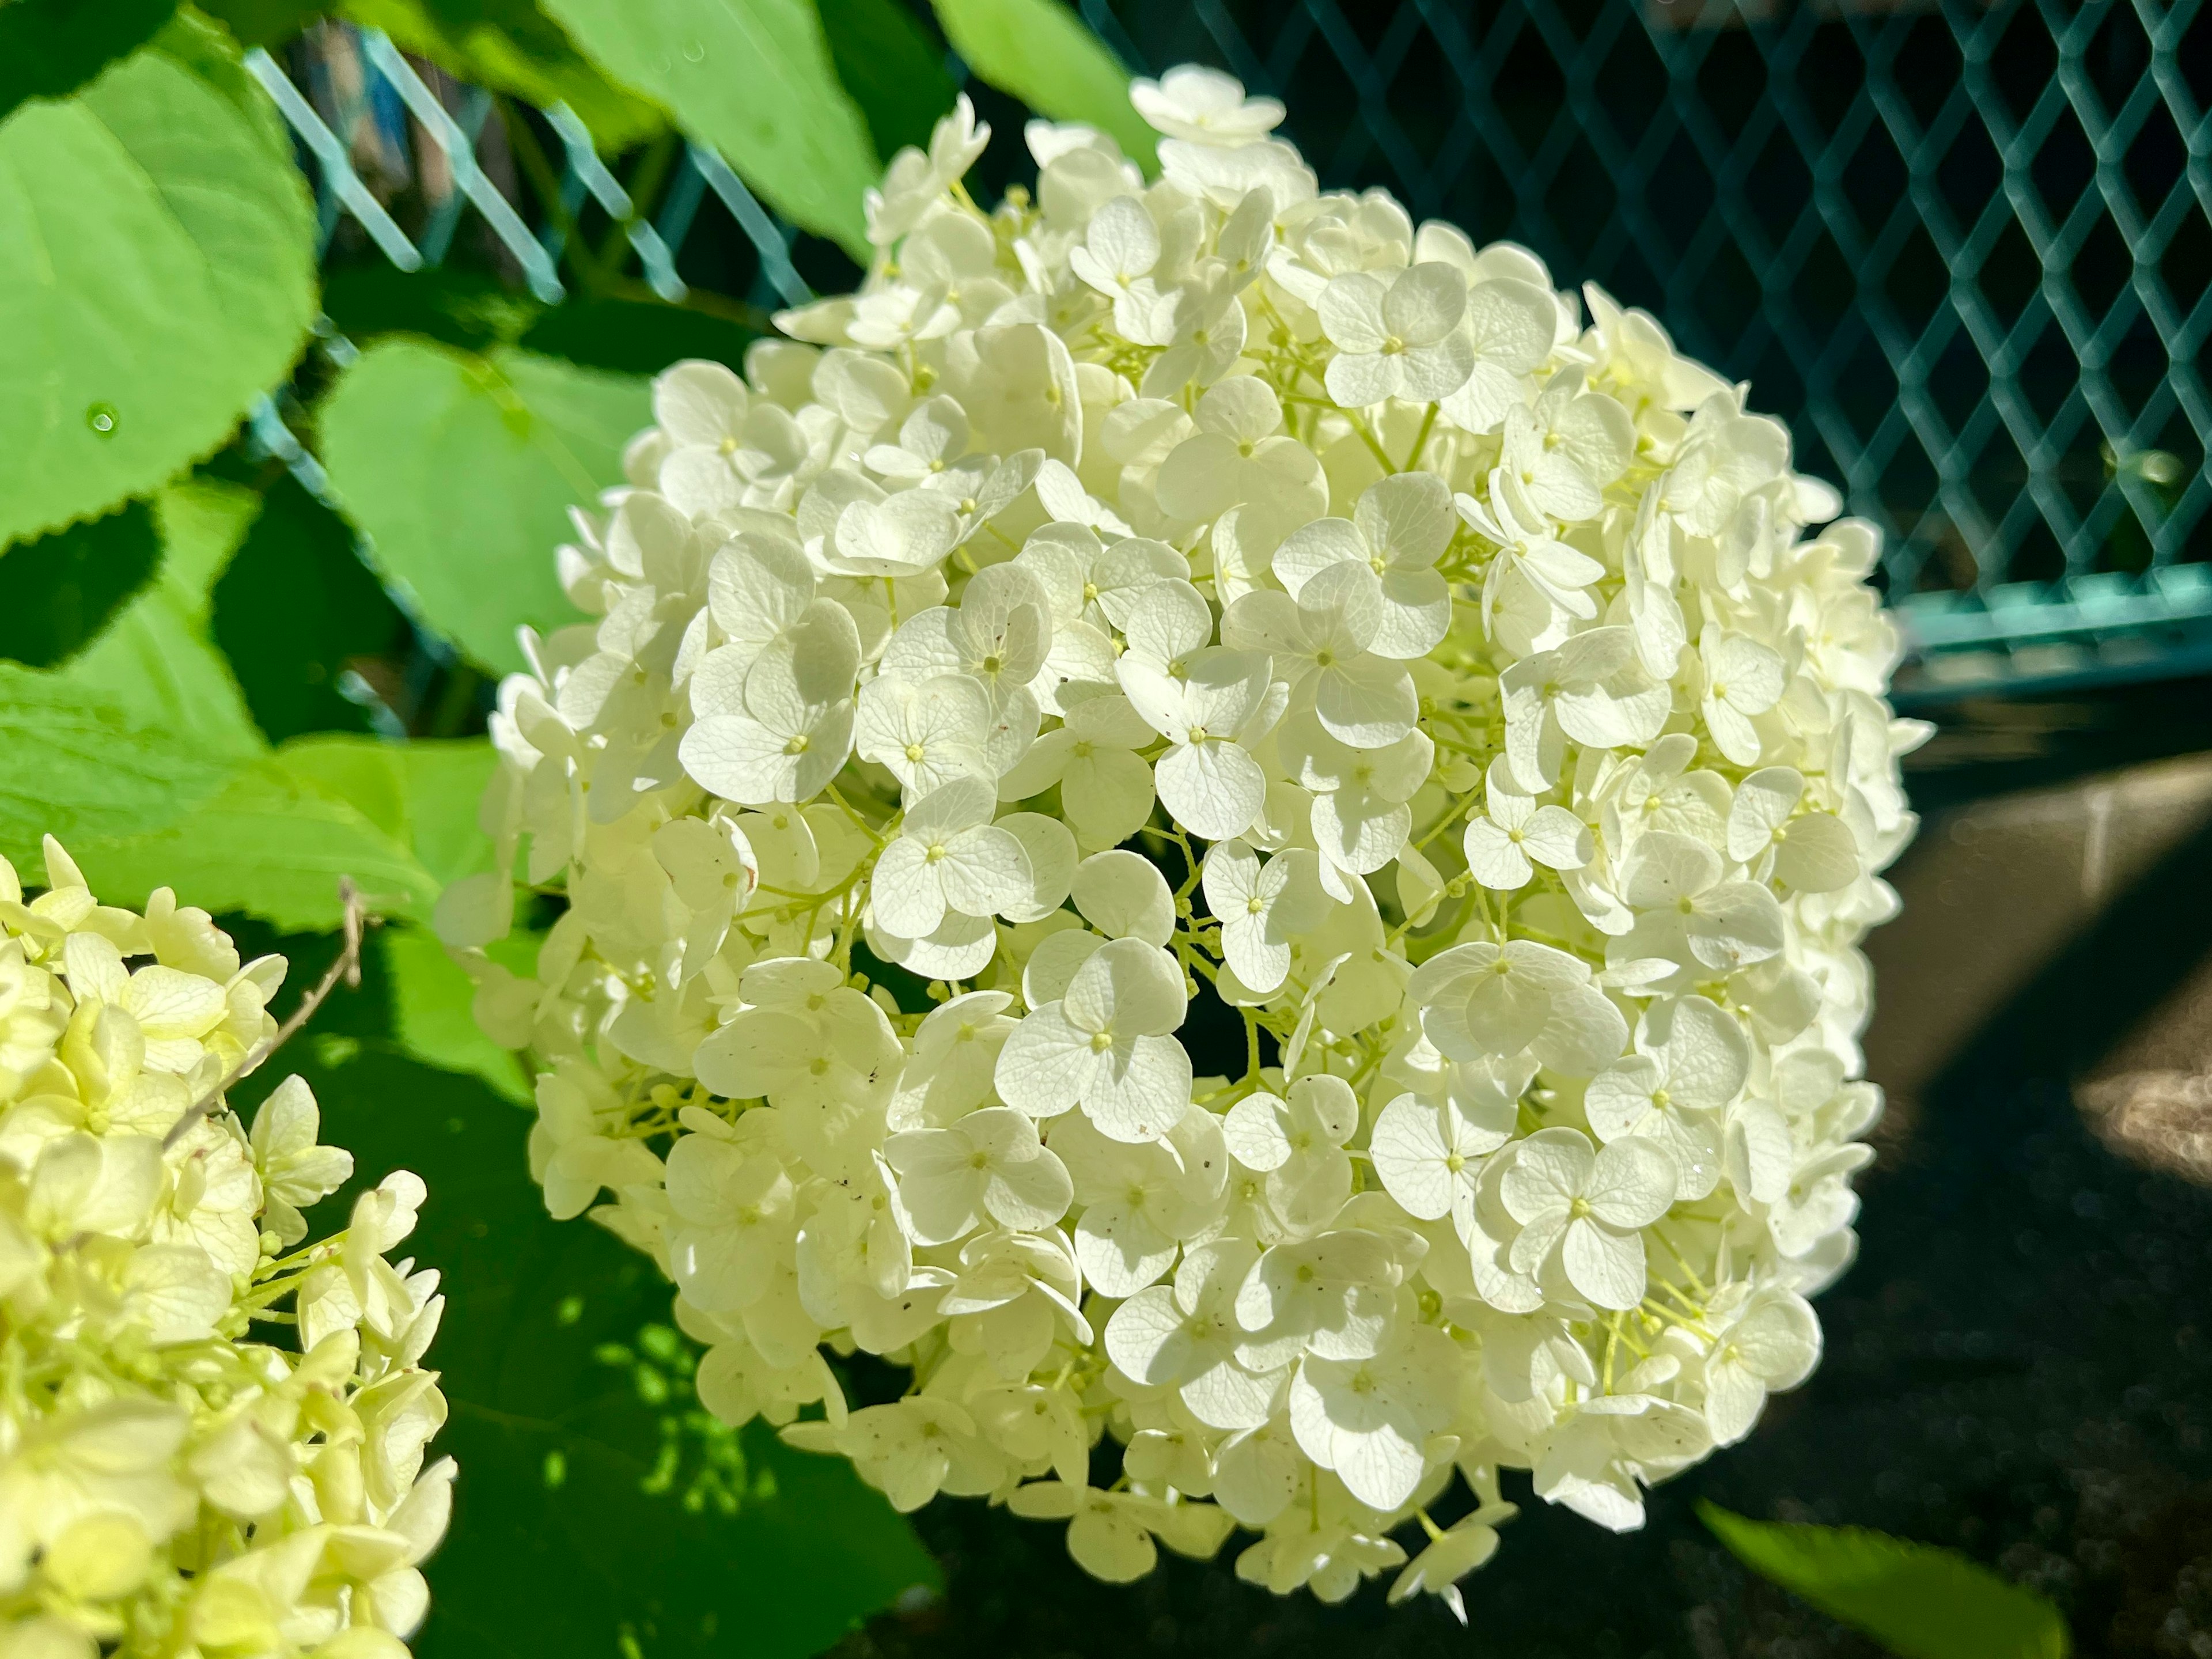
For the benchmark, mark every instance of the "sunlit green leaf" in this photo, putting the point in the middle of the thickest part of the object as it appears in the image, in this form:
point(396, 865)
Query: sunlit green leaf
point(510, 46)
point(431, 1007)
point(444, 783)
point(421, 794)
point(271, 843)
point(754, 79)
point(1040, 51)
point(1916, 1600)
point(82, 769)
point(461, 469)
point(156, 273)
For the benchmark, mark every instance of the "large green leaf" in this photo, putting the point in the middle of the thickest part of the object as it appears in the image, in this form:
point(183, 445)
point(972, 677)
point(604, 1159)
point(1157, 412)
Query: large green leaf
point(571, 1533)
point(444, 783)
point(423, 795)
point(79, 768)
point(754, 79)
point(295, 605)
point(49, 48)
point(155, 661)
point(895, 71)
point(510, 46)
point(273, 844)
point(433, 1002)
point(156, 273)
point(478, 312)
point(465, 308)
point(634, 337)
point(1916, 1600)
point(262, 22)
point(59, 590)
point(460, 470)
point(272, 841)
point(1042, 54)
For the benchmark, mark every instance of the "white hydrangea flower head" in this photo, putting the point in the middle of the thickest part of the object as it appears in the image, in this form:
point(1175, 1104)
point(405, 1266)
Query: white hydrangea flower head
point(169, 1483)
point(1214, 588)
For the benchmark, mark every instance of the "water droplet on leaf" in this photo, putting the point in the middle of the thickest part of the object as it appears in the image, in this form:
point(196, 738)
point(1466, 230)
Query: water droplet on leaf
point(101, 418)
point(696, 52)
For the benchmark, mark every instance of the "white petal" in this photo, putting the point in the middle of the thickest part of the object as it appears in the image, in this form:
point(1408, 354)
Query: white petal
point(1214, 789)
point(1606, 1266)
point(1143, 1092)
point(1046, 1065)
point(1409, 1155)
point(1123, 894)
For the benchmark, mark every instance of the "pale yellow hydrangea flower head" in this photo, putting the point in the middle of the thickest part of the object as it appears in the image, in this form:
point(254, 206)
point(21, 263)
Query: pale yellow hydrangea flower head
point(175, 1479)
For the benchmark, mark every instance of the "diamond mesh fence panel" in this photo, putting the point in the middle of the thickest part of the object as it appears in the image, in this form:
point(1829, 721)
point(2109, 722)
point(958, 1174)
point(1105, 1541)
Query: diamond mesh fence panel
point(1963, 250)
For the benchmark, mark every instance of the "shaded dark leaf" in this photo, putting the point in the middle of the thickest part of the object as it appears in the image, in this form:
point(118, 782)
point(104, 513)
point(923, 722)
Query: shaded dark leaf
point(57, 592)
point(295, 605)
point(893, 66)
point(49, 48)
point(635, 336)
point(462, 308)
point(263, 22)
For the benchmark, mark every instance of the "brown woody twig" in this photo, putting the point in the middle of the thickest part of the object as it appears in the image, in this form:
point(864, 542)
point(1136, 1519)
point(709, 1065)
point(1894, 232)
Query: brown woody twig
point(346, 968)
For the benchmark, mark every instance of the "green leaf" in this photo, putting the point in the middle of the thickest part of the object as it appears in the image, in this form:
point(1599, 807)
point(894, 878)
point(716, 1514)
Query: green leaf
point(49, 48)
point(273, 844)
point(1040, 51)
point(463, 308)
point(556, 1547)
point(59, 590)
point(1916, 1600)
point(273, 839)
point(156, 273)
point(202, 519)
point(754, 79)
point(155, 661)
point(295, 606)
point(445, 780)
point(432, 1008)
point(892, 67)
point(262, 22)
point(365, 773)
point(511, 46)
point(635, 336)
point(421, 794)
point(76, 767)
point(461, 469)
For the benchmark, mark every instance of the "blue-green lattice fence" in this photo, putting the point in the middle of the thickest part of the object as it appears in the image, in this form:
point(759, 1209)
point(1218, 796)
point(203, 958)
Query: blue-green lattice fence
point(1963, 249)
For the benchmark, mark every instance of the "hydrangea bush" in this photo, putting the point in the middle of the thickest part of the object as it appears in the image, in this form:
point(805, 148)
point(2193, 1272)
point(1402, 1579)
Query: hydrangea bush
point(1212, 591)
point(168, 1483)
